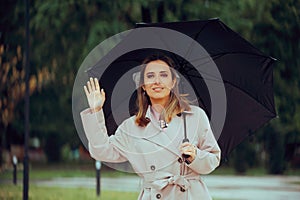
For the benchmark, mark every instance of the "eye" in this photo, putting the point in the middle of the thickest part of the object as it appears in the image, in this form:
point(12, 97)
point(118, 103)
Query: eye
point(164, 75)
point(149, 76)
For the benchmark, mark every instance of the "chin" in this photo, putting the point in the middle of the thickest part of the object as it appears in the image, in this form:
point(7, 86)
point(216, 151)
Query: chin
point(159, 97)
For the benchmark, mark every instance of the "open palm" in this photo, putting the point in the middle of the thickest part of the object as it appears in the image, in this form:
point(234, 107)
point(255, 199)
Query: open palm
point(95, 96)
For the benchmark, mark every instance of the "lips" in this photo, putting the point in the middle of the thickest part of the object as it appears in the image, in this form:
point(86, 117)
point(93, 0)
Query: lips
point(157, 89)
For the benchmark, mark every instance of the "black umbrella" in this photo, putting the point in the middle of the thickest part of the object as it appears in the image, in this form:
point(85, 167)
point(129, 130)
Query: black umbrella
point(230, 78)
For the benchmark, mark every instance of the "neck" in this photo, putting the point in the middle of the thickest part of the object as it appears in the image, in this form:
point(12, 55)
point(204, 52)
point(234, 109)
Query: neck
point(159, 104)
point(158, 108)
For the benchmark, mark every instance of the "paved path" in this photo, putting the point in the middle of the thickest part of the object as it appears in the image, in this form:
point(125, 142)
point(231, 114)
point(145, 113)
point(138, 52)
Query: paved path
point(221, 187)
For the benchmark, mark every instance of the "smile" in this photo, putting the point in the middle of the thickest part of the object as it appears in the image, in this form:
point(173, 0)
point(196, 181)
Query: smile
point(157, 89)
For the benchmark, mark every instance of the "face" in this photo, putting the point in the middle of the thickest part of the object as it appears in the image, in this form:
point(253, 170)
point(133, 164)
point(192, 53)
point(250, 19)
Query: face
point(158, 82)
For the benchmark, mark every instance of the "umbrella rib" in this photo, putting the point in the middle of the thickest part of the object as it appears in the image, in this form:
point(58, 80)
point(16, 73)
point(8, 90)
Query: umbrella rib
point(233, 85)
point(195, 38)
point(217, 56)
point(237, 52)
point(240, 89)
point(229, 83)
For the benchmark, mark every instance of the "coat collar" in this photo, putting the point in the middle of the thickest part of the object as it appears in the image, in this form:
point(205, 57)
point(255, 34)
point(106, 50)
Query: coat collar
point(169, 138)
point(152, 129)
point(172, 136)
point(149, 113)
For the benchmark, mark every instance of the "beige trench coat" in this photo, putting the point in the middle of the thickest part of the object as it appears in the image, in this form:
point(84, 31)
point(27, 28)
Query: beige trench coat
point(154, 152)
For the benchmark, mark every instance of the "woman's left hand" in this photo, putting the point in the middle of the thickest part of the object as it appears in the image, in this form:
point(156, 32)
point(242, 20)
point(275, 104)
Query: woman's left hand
point(188, 149)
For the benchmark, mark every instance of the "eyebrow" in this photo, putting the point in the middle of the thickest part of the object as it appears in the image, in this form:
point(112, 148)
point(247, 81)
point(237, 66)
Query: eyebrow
point(163, 72)
point(159, 72)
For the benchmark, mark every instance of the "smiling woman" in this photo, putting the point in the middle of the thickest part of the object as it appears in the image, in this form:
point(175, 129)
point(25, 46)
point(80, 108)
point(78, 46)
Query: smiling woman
point(158, 82)
point(158, 87)
point(154, 149)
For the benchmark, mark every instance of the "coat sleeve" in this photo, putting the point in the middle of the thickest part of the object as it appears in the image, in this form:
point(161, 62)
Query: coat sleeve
point(208, 151)
point(101, 146)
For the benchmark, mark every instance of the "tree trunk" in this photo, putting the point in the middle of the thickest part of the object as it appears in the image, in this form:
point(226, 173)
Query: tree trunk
point(146, 15)
point(160, 11)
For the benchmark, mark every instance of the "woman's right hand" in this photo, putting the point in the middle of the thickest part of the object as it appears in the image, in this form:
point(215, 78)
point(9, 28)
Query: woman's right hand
point(95, 97)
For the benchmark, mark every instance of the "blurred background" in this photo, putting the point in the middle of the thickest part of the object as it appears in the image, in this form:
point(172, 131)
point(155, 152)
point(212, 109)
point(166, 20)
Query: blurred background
point(62, 33)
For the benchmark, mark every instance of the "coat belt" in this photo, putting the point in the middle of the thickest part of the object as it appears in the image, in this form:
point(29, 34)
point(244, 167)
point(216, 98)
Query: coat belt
point(162, 182)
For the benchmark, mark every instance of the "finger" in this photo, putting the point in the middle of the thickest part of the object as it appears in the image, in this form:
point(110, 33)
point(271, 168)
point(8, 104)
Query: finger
point(102, 92)
point(97, 84)
point(185, 144)
point(89, 86)
point(192, 151)
point(182, 147)
point(190, 147)
point(92, 84)
point(86, 91)
point(187, 148)
point(188, 153)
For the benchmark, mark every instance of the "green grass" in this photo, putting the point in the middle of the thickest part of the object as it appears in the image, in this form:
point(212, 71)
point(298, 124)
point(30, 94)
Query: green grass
point(54, 171)
point(48, 174)
point(11, 192)
point(48, 171)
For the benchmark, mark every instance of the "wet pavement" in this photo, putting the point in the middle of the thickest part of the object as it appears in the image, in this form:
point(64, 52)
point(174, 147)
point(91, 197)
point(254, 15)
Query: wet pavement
point(220, 187)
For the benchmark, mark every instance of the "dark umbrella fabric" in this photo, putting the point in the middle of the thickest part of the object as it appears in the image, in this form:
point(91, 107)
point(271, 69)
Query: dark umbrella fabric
point(247, 75)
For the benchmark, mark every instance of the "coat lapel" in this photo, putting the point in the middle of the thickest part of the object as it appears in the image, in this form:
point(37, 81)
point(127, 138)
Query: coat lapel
point(169, 138)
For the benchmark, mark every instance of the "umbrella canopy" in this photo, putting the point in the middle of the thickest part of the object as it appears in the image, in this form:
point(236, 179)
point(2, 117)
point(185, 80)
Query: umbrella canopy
point(230, 78)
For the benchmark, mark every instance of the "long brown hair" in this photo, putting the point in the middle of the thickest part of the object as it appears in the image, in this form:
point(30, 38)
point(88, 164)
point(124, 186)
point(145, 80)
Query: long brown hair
point(177, 102)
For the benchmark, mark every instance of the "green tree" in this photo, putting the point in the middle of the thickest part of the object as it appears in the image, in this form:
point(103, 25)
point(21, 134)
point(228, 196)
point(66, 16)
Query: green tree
point(277, 33)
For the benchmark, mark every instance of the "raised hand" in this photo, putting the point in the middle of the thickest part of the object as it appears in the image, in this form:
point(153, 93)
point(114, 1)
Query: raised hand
point(95, 97)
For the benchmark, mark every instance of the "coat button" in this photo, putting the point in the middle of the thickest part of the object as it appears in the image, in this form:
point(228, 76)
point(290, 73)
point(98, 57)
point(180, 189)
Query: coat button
point(180, 160)
point(152, 167)
point(158, 196)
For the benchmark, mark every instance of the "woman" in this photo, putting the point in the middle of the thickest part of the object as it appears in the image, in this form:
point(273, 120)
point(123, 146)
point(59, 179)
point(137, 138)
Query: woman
point(152, 139)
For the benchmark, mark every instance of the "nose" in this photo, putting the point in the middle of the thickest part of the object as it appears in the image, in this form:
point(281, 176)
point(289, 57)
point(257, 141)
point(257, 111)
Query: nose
point(157, 80)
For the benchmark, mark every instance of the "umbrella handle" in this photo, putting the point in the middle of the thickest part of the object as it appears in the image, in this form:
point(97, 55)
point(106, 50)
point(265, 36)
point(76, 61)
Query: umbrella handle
point(185, 136)
point(183, 141)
